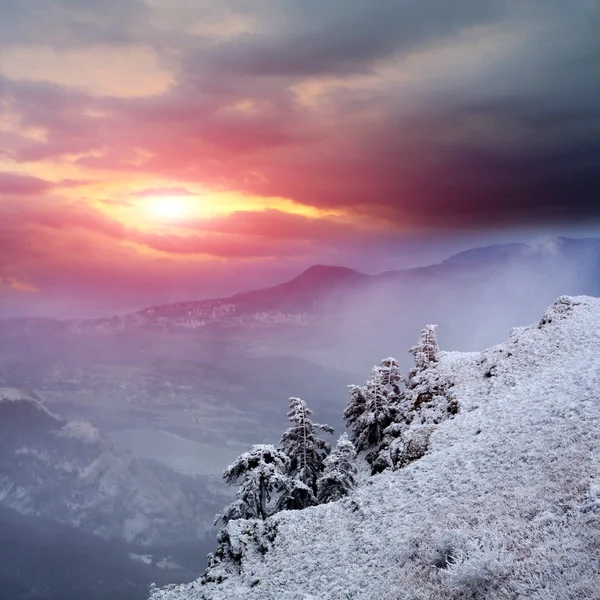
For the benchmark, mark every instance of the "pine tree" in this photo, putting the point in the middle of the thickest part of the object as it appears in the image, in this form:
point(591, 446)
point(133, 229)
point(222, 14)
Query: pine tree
point(426, 389)
point(339, 474)
point(373, 407)
point(306, 451)
point(263, 472)
point(425, 403)
point(426, 352)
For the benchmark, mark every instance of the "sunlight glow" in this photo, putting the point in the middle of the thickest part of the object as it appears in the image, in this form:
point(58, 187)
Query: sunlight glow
point(170, 207)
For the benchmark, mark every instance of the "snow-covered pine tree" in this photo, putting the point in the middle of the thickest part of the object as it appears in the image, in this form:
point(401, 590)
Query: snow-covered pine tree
point(426, 402)
point(426, 352)
point(264, 473)
point(426, 390)
point(339, 474)
point(373, 407)
point(306, 451)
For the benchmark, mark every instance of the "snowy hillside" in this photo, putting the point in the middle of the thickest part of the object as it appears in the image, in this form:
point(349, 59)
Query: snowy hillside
point(68, 472)
point(505, 504)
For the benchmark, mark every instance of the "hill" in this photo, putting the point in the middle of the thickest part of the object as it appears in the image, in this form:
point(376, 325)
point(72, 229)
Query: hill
point(67, 471)
point(505, 503)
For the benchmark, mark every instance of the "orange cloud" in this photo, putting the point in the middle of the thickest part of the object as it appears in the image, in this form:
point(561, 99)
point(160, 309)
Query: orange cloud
point(21, 286)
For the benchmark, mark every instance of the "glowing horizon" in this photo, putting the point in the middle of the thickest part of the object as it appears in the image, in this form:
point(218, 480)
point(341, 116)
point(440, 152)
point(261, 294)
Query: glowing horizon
point(163, 138)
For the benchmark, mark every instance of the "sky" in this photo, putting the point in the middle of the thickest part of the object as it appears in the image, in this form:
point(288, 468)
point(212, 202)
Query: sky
point(158, 150)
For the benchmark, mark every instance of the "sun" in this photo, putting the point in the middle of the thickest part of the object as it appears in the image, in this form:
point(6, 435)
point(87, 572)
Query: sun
point(170, 207)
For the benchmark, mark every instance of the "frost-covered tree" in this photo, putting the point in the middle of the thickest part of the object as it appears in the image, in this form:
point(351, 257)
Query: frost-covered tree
point(373, 407)
point(339, 473)
point(306, 451)
point(426, 401)
point(427, 351)
point(264, 474)
point(296, 496)
point(426, 388)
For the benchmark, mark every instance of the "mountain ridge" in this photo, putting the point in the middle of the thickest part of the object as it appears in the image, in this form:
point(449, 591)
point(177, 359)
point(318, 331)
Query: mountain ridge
point(504, 504)
point(319, 289)
point(49, 464)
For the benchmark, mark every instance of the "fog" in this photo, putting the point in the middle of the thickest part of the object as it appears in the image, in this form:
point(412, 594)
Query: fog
point(153, 408)
point(475, 299)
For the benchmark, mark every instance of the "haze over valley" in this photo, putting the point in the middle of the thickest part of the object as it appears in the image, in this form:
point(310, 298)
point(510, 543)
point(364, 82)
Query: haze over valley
point(140, 413)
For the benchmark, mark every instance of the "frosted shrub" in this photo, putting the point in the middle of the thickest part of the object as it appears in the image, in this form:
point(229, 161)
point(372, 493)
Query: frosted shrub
point(477, 569)
point(456, 564)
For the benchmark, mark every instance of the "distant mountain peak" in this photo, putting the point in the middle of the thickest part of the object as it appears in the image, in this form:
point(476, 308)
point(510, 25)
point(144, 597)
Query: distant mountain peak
point(302, 291)
point(67, 472)
point(487, 253)
point(321, 271)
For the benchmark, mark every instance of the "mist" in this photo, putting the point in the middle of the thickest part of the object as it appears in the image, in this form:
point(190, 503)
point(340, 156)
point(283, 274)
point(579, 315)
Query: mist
point(118, 428)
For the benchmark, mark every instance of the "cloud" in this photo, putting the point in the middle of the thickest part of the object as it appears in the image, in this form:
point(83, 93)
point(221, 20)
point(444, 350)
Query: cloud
point(422, 113)
point(241, 235)
point(22, 185)
point(64, 23)
point(283, 227)
point(21, 286)
point(100, 70)
point(348, 36)
point(399, 117)
point(163, 191)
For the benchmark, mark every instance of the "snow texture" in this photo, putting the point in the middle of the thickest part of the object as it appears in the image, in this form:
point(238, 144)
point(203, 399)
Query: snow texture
point(505, 503)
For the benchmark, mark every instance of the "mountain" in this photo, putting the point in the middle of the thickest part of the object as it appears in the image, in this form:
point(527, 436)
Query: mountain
point(504, 504)
point(44, 560)
point(68, 472)
point(489, 254)
point(322, 293)
point(188, 387)
point(325, 289)
point(308, 291)
point(313, 292)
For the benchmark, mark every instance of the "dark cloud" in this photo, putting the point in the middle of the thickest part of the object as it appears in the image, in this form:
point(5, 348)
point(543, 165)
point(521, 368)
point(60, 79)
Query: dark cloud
point(342, 37)
point(66, 23)
point(510, 138)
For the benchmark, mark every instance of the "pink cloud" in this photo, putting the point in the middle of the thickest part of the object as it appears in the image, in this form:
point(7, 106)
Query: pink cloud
point(16, 184)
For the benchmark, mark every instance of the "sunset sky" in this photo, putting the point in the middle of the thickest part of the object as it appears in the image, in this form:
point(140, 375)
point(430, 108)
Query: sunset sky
point(154, 150)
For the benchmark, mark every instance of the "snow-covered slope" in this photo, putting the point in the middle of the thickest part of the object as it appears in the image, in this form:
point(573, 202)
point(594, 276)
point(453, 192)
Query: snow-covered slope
point(505, 504)
point(68, 472)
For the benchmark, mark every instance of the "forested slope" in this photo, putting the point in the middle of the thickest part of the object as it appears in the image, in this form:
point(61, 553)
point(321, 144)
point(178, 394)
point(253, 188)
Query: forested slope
point(504, 504)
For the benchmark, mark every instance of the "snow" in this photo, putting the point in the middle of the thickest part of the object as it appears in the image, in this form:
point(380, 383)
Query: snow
point(81, 430)
point(14, 395)
point(505, 504)
point(17, 395)
point(143, 558)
